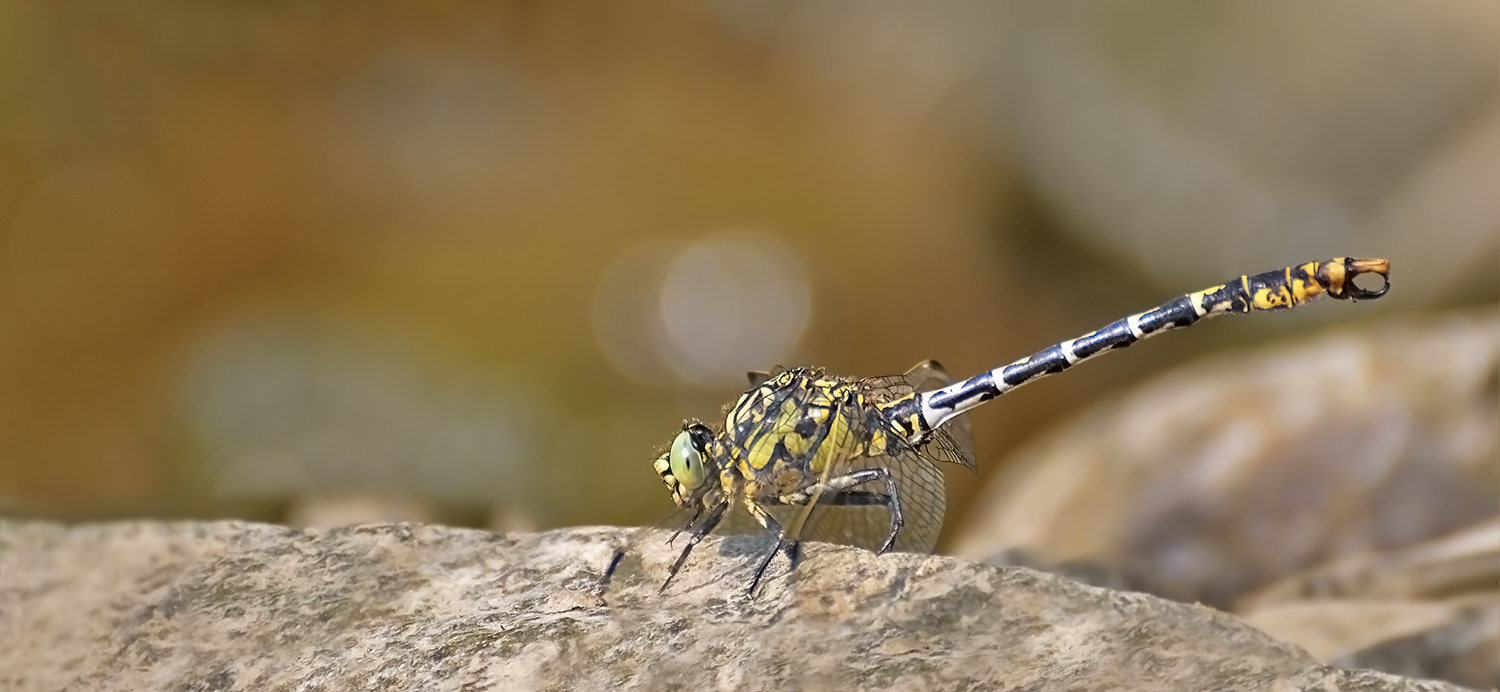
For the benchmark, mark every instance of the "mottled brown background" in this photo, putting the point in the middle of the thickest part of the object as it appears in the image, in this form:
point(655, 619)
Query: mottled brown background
point(255, 253)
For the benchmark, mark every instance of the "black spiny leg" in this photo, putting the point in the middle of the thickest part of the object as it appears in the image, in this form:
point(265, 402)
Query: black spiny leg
point(834, 488)
point(614, 562)
point(699, 532)
point(791, 551)
point(690, 522)
point(774, 527)
point(794, 554)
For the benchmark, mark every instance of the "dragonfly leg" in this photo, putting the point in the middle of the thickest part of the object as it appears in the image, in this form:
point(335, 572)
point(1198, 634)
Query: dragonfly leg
point(690, 522)
point(773, 526)
point(699, 532)
point(834, 489)
point(793, 556)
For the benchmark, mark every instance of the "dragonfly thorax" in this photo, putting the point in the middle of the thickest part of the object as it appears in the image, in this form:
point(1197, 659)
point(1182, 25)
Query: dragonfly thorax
point(793, 427)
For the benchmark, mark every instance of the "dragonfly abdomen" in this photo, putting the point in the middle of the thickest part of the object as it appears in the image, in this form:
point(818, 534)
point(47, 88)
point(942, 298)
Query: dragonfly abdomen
point(1282, 289)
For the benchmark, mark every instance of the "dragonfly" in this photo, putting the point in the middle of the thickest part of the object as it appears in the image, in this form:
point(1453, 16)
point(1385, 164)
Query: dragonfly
point(856, 461)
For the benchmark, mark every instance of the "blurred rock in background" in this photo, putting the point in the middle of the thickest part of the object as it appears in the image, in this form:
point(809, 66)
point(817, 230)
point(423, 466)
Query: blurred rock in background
point(1221, 476)
point(382, 418)
point(1338, 491)
point(321, 512)
point(1429, 610)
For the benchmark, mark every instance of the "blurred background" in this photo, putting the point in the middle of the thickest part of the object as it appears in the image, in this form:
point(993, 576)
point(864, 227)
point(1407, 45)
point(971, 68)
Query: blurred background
point(474, 262)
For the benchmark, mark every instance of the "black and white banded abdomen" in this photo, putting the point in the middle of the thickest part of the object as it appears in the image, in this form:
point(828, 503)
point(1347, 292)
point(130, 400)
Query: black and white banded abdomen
point(1282, 289)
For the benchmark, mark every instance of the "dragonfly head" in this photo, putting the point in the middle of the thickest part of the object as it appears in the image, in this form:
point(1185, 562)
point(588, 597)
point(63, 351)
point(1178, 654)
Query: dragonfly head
point(687, 467)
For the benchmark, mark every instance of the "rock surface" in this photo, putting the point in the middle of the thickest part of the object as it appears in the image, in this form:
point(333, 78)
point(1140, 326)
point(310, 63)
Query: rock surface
point(227, 606)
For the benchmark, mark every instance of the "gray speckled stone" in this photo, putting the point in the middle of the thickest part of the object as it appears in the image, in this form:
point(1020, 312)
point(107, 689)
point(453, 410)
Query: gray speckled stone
point(236, 606)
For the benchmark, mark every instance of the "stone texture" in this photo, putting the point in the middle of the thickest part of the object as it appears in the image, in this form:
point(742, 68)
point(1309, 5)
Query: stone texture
point(230, 606)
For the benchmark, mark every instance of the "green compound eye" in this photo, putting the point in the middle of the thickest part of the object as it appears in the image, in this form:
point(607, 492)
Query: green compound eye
point(687, 463)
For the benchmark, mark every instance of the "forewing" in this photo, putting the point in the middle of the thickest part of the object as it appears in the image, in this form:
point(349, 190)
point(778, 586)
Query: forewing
point(861, 515)
point(953, 443)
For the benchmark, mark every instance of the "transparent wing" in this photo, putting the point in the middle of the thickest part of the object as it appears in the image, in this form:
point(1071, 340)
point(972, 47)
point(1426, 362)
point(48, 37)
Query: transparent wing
point(953, 443)
point(852, 500)
point(861, 514)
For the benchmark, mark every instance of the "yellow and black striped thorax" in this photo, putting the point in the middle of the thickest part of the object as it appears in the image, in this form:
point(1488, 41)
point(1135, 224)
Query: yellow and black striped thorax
point(800, 423)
